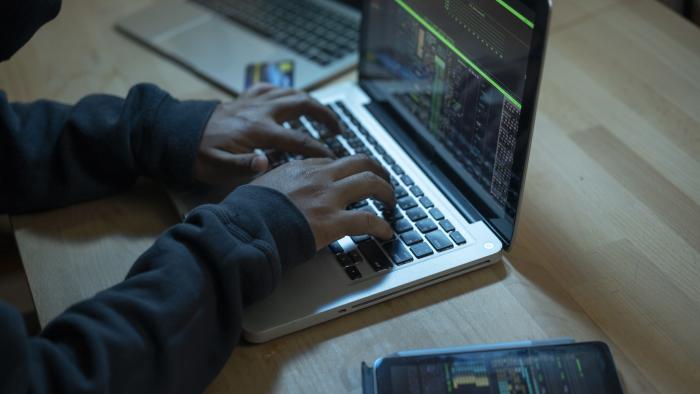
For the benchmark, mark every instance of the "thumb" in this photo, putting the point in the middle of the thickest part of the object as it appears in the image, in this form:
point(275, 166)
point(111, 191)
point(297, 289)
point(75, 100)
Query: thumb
point(259, 162)
point(216, 166)
point(233, 165)
point(247, 163)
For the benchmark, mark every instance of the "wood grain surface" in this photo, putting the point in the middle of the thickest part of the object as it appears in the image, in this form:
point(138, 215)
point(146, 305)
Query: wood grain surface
point(609, 238)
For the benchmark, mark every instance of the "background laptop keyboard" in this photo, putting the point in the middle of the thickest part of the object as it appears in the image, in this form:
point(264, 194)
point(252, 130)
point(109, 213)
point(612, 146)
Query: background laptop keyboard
point(420, 228)
point(311, 30)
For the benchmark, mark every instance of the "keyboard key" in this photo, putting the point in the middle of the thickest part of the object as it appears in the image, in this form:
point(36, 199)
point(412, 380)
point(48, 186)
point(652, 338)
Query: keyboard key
point(394, 182)
point(411, 238)
point(364, 151)
point(361, 128)
point(341, 106)
point(359, 238)
point(447, 225)
point(425, 202)
point(400, 192)
point(397, 169)
point(426, 225)
point(334, 144)
point(355, 256)
point(340, 151)
point(352, 272)
point(439, 241)
point(374, 256)
point(389, 160)
point(343, 259)
point(296, 124)
point(347, 133)
point(379, 205)
point(407, 203)
point(336, 248)
point(417, 191)
point(458, 238)
point(416, 214)
point(401, 226)
point(355, 143)
point(421, 250)
point(392, 216)
point(436, 214)
point(406, 180)
point(399, 255)
point(358, 204)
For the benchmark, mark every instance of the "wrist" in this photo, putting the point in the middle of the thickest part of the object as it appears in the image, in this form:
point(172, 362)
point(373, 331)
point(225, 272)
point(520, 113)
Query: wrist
point(283, 223)
point(176, 133)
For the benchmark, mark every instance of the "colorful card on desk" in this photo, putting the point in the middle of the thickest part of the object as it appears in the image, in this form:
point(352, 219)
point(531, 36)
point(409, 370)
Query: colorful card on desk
point(280, 74)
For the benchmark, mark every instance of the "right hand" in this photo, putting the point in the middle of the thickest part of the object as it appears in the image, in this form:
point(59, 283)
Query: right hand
point(323, 188)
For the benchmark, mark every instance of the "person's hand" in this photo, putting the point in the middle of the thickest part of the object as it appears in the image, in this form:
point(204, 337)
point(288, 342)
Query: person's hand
point(227, 153)
point(322, 189)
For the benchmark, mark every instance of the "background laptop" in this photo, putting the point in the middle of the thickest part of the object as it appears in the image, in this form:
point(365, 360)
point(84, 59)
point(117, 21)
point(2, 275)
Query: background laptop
point(446, 102)
point(220, 39)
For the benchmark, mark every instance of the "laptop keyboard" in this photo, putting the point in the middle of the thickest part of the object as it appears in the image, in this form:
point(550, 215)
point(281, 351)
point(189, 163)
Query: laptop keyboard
point(309, 29)
point(420, 228)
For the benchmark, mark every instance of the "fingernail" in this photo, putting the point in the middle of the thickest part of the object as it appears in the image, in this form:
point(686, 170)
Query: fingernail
point(259, 163)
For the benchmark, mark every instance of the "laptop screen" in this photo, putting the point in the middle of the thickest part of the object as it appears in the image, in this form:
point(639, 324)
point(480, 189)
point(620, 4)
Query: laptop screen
point(456, 71)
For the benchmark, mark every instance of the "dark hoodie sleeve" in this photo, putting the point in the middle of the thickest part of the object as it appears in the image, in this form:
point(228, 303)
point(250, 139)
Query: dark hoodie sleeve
point(53, 154)
point(20, 19)
point(171, 325)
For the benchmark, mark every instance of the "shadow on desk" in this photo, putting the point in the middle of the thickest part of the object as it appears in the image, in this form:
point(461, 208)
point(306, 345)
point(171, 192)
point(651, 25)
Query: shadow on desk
point(142, 211)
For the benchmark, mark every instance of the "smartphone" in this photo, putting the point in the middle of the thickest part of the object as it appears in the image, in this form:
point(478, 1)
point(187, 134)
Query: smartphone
point(585, 367)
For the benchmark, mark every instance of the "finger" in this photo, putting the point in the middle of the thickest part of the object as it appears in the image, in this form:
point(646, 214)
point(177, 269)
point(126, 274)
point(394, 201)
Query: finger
point(362, 222)
point(260, 89)
point(277, 93)
point(274, 136)
point(294, 106)
point(350, 165)
point(318, 161)
point(242, 164)
point(365, 185)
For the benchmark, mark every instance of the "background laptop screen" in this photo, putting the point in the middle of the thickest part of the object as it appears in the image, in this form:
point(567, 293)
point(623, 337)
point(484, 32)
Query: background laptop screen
point(455, 70)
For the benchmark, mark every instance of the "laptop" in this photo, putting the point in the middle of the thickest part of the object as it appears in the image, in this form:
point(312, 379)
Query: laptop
point(220, 39)
point(446, 102)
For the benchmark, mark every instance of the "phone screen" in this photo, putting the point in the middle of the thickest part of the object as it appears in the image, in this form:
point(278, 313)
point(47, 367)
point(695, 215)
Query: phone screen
point(571, 368)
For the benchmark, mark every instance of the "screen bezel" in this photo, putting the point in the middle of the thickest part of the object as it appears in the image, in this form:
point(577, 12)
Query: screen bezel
point(356, 4)
point(382, 368)
point(466, 195)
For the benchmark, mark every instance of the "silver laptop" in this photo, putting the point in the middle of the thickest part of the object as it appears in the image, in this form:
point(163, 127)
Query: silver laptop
point(446, 101)
point(220, 39)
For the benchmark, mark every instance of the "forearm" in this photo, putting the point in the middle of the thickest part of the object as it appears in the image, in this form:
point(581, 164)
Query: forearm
point(171, 325)
point(53, 154)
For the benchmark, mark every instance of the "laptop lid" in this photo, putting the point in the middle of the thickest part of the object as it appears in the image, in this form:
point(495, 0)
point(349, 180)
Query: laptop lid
point(461, 78)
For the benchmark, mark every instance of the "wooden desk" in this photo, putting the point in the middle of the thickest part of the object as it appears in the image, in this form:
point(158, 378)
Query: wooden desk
point(609, 244)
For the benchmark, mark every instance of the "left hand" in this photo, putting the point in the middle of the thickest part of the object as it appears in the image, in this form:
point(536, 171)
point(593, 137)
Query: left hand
point(236, 129)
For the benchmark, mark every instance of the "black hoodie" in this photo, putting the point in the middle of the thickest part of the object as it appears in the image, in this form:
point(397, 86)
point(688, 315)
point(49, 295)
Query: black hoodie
point(171, 324)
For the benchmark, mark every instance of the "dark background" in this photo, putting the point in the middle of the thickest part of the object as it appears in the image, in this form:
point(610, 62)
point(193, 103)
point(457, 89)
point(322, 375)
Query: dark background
point(689, 8)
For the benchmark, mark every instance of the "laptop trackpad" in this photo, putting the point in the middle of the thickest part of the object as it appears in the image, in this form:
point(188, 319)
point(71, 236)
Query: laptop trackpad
point(221, 51)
